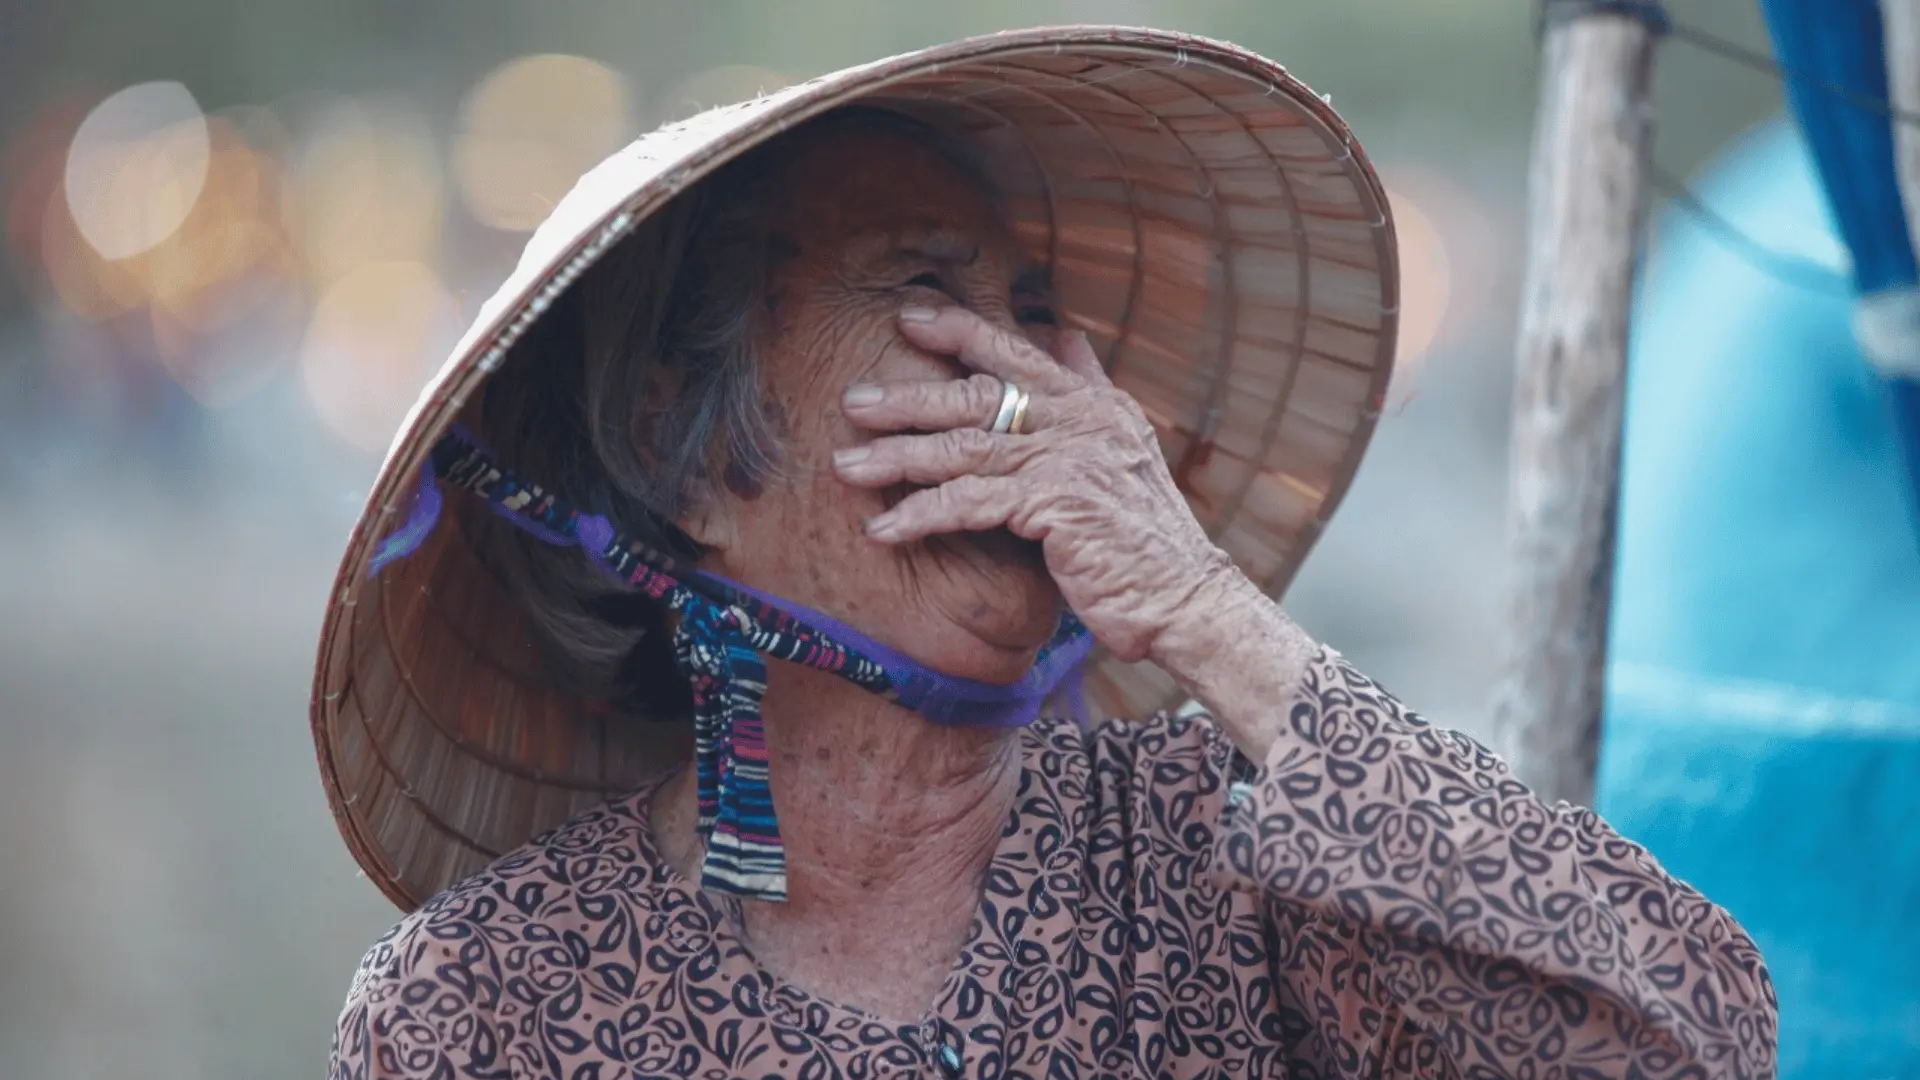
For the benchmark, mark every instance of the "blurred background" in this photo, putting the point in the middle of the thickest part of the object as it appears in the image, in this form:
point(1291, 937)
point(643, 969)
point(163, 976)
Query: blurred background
point(238, 237)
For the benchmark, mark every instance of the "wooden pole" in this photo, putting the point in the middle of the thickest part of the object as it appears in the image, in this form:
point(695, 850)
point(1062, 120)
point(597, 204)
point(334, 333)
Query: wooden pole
point(1586, 203)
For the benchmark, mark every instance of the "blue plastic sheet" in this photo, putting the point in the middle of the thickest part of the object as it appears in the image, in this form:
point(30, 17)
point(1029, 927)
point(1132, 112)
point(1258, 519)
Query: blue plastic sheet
point(1763, 719)
point(1834, 54)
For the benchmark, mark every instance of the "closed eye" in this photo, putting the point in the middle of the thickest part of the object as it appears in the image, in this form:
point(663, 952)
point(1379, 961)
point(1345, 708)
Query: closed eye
point(1032, 299)
point(1033, 312)
point(931, 279)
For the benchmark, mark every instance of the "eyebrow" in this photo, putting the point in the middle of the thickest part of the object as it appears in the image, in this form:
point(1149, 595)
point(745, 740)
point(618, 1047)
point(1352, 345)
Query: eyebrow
point(952, 245)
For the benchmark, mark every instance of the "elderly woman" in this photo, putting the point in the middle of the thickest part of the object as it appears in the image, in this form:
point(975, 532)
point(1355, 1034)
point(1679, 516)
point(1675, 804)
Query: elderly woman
point(789, 491)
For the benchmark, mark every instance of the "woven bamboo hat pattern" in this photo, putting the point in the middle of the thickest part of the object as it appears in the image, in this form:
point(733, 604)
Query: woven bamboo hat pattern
point(1210, 223)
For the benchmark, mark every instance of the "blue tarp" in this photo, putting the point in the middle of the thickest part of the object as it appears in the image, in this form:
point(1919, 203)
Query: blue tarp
point(1834, 53)
point(1763, 715)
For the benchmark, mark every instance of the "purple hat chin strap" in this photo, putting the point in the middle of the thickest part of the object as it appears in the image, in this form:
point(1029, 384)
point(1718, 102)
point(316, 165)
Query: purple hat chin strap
point(942, 698)
point(727, 631)
point(949, 699)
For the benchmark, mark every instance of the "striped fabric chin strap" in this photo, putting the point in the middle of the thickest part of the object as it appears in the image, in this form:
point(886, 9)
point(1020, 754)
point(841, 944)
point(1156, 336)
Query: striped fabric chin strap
point(726, 631)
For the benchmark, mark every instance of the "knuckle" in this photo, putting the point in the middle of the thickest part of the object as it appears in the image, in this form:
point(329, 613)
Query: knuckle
point(957, 442)
point(998, 338)
point(982, 393)
point(888, 451)
point(1019, 344)
point(1119, 409)
point(963, 489)
point(1025, 451)
point(971, 326)
point(917, 507)
point(911, 397)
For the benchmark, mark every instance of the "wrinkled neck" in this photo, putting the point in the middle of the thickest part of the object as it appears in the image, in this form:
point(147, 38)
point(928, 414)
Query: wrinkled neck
point(870, 792)
point(865, 785)
point(881, 811)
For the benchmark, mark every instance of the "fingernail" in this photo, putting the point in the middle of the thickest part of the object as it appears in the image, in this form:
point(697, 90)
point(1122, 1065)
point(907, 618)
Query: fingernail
point(852, 455)
point(919, 314)
point(882, 526)
point(862, 394)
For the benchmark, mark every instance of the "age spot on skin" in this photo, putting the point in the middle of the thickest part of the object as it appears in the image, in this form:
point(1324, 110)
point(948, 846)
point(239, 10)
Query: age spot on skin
point(777, 416)
point(742, 482)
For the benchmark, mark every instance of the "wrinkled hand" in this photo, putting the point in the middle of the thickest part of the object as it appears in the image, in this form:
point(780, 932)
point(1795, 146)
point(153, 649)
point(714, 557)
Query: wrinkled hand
point(1086, 479)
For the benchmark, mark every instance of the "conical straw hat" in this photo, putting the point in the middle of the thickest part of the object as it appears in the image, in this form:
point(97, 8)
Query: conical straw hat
point(1209, 222)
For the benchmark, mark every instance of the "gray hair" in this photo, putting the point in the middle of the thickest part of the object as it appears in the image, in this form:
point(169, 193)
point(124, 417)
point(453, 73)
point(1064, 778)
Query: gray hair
point(638, 396)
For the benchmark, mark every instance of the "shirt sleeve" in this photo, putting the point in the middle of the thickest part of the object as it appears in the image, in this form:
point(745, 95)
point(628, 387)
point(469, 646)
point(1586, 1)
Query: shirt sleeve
point(415, 1012)
point(1434, 918)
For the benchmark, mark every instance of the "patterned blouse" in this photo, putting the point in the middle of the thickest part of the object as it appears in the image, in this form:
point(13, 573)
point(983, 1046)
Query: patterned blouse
point(1379, 898)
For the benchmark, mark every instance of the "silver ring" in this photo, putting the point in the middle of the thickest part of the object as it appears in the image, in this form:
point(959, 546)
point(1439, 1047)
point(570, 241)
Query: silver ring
point(1010, 396)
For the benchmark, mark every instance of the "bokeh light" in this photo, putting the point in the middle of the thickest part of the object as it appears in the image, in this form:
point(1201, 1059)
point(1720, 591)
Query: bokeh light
point(33, 169)
point(92, 287)
point(239, 335)
point(235, 229)
point(529, 129)
point(367, 189)
point(229, 262)
point(213, 291)
point(722, 85)
point(374, 337)
point(136, 168)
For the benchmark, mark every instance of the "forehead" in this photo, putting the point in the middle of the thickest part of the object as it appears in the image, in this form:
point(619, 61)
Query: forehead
point(863, 187)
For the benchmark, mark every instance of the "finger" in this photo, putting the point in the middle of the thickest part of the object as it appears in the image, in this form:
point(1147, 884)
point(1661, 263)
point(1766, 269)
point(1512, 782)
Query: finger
point(925, 405)
point(1041, 335)
point(1076, 354)
point(963, 504)
point(929, 459)
point(985, 346)
point(973, 402)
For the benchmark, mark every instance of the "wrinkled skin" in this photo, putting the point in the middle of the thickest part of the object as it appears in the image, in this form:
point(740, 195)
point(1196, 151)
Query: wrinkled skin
point(907, 536)
point(1087, 481)
point(897, 303)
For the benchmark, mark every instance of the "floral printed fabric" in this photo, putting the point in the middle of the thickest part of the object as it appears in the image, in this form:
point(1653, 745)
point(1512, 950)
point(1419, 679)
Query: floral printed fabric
point(1381, 898)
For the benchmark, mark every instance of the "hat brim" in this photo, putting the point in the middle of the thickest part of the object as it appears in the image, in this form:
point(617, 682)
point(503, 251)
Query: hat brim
point(1210, 223)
